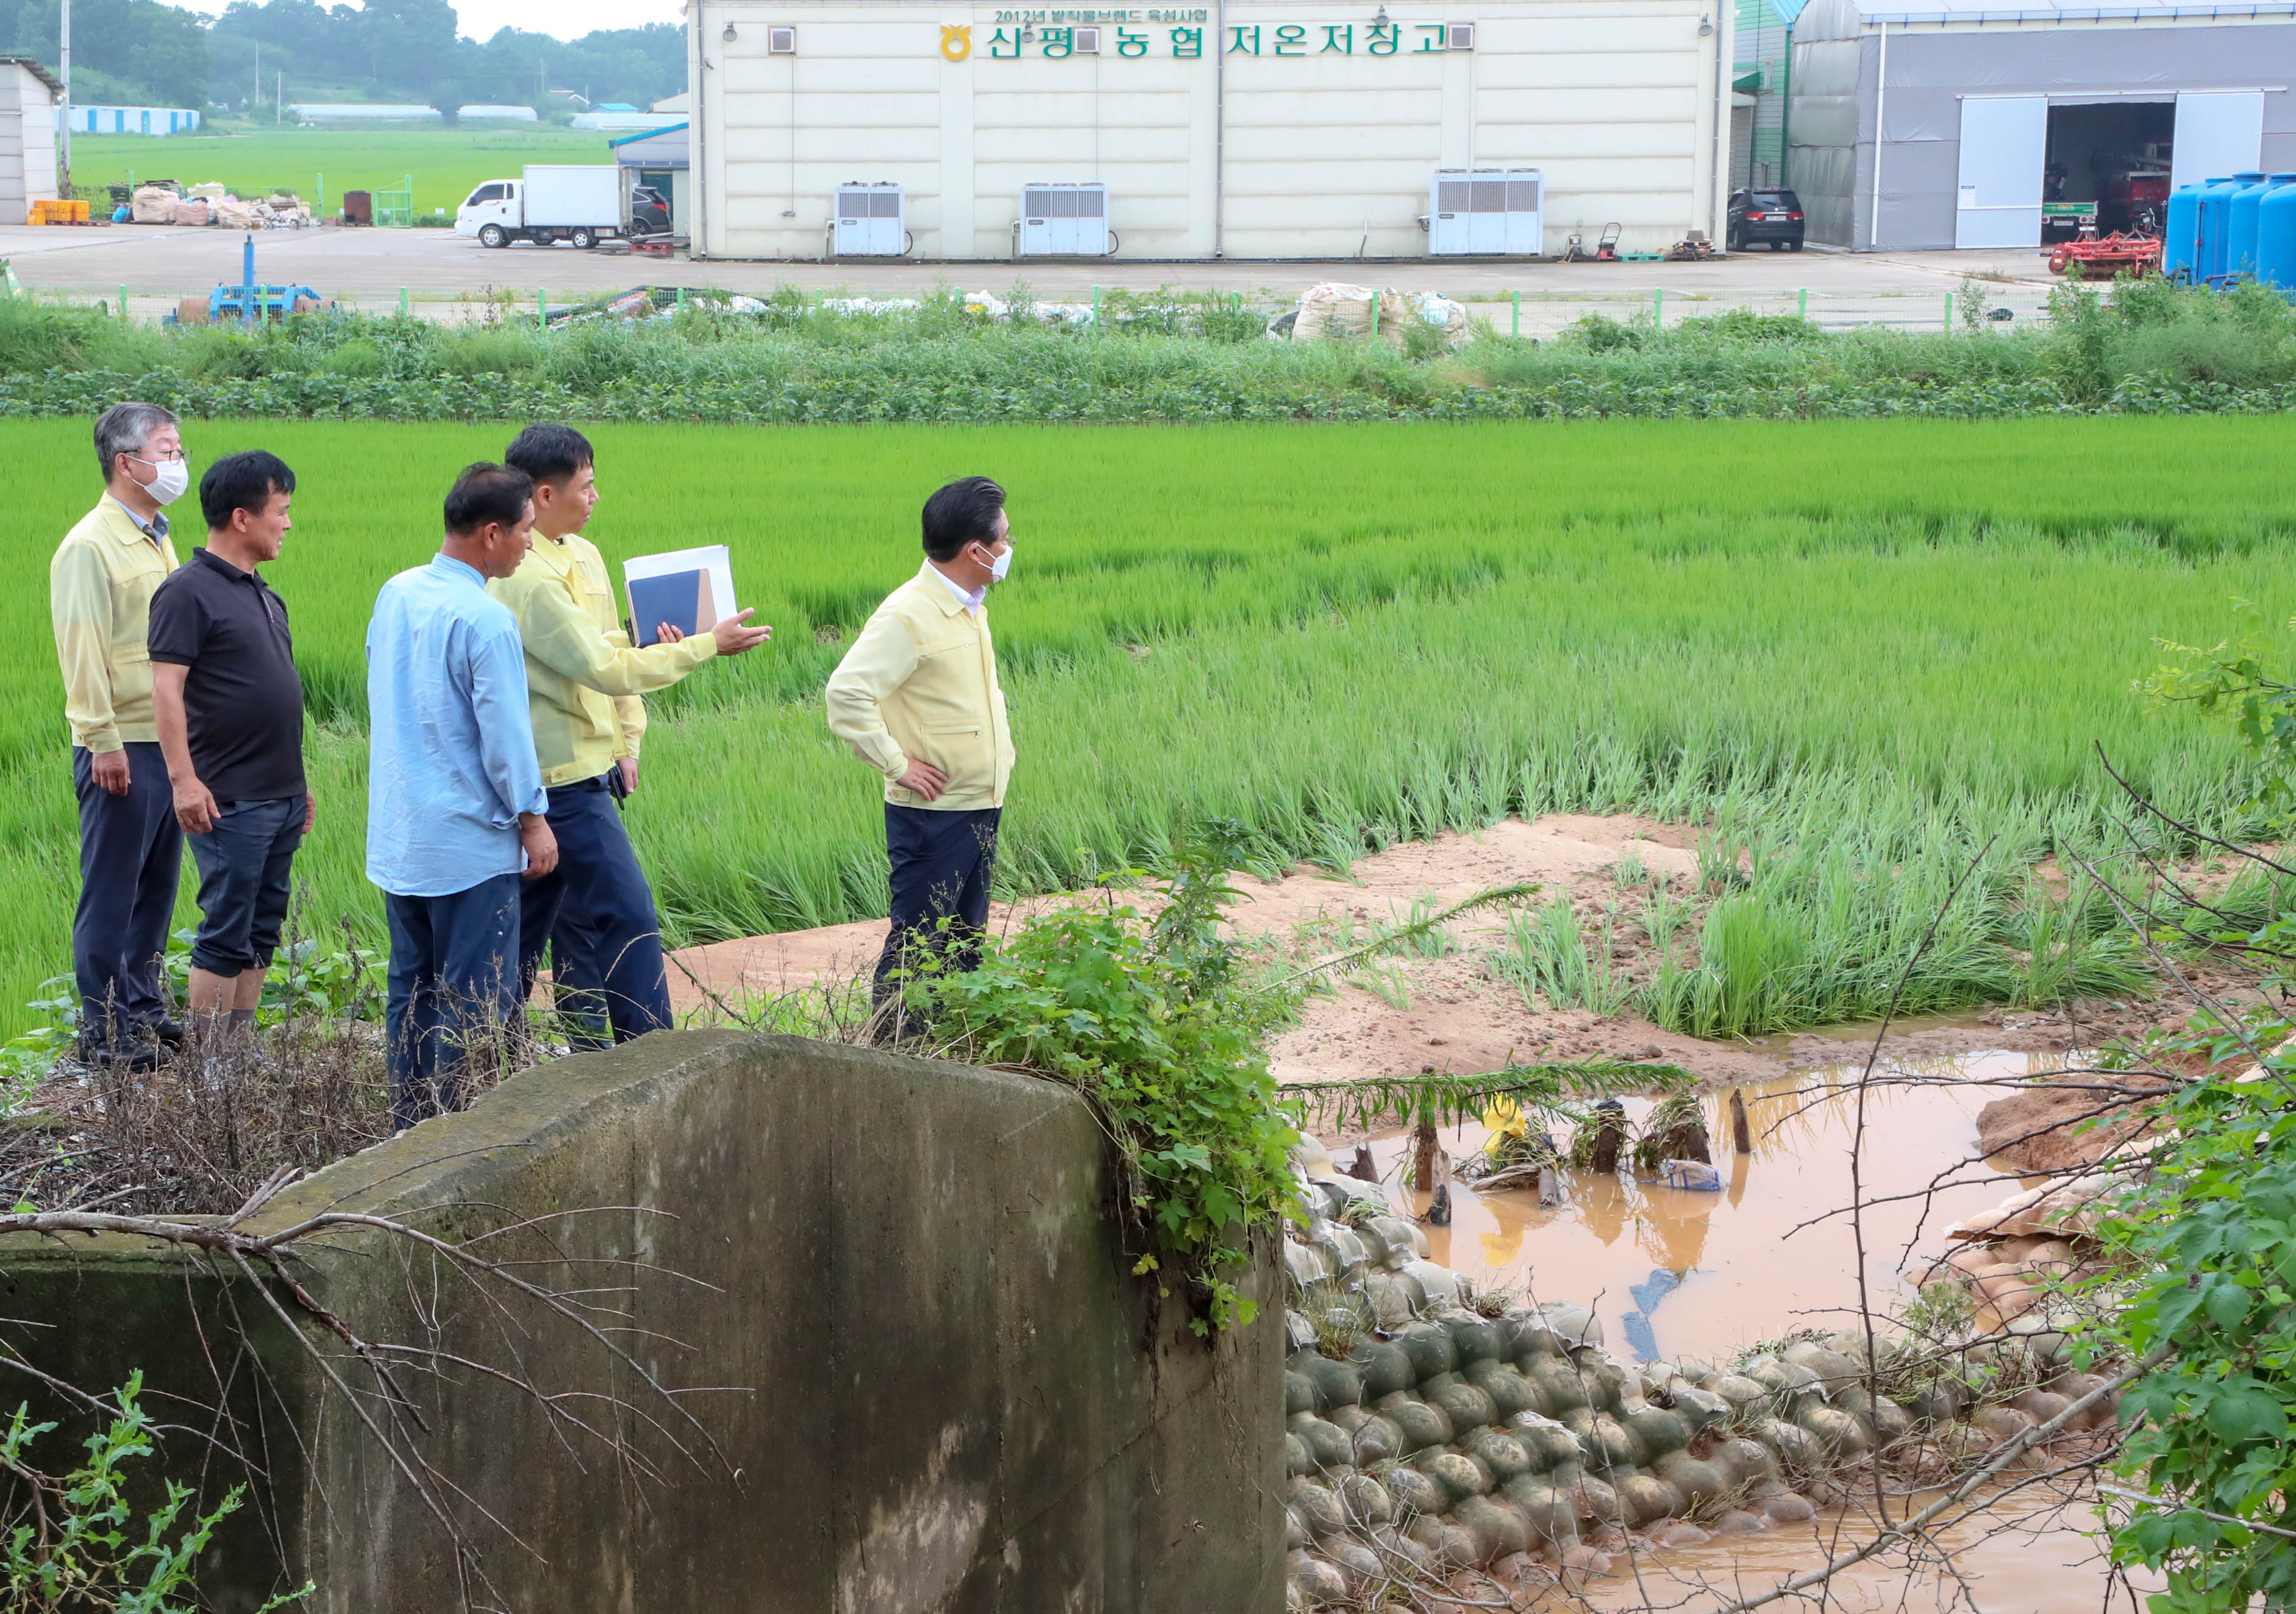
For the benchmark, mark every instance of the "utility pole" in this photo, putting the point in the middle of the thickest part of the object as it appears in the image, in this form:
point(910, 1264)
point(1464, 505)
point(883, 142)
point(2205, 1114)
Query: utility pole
point(63, 180)
point(256, 100)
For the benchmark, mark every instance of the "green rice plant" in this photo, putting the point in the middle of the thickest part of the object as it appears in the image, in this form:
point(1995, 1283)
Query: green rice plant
point(1545, 953)
point(1417, 938)
point(1383, 982)
point(1848, 652)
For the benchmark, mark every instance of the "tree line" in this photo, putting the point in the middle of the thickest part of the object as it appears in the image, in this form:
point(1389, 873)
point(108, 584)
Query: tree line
point(144, 52)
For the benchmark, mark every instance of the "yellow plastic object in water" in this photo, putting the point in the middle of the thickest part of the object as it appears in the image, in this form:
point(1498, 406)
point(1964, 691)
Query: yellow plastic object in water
point(1505, 1118)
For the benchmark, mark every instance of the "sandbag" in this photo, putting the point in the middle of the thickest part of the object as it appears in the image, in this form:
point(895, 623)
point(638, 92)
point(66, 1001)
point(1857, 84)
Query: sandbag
point(153, 205)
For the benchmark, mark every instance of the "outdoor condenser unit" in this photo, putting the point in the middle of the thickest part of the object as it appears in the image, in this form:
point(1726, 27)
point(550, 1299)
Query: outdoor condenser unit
point(1489, 212)
point(1065, 221)
point(872, 220)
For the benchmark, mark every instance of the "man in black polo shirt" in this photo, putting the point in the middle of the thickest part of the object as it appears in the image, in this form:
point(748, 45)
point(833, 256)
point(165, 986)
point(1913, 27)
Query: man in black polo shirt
point(230, 713)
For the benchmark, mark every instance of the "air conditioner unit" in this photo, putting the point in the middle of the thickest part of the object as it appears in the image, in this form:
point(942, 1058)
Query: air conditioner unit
point(781, 42)
point(1085, 42)
point(1459, 37)
point(1489, 213)
point(872, 220)
point(1064, 220)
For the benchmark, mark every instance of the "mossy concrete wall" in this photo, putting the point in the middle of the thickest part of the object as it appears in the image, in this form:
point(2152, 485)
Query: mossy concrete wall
point(897, 1281)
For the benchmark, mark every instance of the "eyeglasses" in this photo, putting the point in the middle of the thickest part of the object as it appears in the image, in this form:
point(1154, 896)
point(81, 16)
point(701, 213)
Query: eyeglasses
point(163, 460)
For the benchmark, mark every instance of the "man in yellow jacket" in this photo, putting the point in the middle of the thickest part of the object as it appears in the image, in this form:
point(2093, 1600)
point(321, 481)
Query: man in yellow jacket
point(595, 912)
point(100, 589)
point(916, 697)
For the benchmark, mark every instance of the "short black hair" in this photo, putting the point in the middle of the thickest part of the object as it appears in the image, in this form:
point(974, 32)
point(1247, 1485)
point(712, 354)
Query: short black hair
point(963, 512)
point(487, 492)
point(242, 481)
point(548, 453)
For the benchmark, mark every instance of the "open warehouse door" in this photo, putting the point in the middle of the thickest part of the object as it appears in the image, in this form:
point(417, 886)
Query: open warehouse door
point(2004, 142)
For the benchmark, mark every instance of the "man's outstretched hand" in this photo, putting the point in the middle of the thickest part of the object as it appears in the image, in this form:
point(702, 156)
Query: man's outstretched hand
point(734, 635)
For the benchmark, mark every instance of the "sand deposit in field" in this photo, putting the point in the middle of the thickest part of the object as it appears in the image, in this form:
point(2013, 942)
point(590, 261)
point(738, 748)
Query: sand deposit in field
point(1458, 1014)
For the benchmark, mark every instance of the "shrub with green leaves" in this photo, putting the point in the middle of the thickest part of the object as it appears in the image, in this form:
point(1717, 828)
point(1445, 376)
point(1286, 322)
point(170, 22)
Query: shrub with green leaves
point(1150, 1021)
point(75, 1542)
point(2216, 1231)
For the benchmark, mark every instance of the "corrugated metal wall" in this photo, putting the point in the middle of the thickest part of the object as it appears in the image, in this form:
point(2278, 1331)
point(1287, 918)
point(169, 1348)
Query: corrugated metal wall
point(1762, 70)
point(1932, 71)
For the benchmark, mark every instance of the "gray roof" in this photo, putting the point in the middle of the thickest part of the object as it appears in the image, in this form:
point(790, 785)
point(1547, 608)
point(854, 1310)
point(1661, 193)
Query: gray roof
point(36, 70)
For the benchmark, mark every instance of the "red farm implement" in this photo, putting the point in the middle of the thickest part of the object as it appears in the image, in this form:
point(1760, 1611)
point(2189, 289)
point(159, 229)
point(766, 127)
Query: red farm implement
point(2107, 257)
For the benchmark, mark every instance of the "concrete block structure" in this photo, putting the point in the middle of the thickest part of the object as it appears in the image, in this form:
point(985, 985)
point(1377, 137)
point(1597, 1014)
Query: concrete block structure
point(901, 1282)
point(1250, 129)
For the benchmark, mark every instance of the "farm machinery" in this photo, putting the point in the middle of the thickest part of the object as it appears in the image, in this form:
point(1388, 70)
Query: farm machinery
point(2104, 257)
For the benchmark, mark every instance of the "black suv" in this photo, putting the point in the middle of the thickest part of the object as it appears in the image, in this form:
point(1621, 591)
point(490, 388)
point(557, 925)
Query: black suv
point(1770, 216)
point(648, 211)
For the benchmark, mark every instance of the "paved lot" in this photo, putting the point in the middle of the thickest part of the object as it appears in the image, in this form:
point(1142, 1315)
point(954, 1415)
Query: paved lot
point(445, 276)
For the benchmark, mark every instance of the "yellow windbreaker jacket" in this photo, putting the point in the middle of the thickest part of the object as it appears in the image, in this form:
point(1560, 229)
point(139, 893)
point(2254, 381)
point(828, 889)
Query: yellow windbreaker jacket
point(583, 679)
point(100, 589)
point(921, 681)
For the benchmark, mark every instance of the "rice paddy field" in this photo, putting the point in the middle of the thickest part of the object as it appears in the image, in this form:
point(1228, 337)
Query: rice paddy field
point(444, 163)
point(1864, 655)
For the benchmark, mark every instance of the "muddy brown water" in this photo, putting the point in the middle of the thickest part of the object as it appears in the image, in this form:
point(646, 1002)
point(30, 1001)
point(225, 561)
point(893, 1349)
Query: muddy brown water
point(1677, 1273)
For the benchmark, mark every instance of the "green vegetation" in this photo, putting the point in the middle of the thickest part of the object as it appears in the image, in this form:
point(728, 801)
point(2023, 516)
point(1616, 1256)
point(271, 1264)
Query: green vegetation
point(445, 164)
point(141, 53)
point(76, 1541)
point(1152, 1021)
point(1164, 357)
point(1860, 652)
point(2212, 1226)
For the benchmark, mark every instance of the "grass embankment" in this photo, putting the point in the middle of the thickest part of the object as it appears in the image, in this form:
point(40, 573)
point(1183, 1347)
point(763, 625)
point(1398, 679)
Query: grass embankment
point(1163, 356)
point(444, 163)
point(1863, 650)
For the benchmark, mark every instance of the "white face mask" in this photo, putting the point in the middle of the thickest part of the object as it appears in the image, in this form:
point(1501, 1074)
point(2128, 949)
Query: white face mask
point(1001, 564)
point(173, 478)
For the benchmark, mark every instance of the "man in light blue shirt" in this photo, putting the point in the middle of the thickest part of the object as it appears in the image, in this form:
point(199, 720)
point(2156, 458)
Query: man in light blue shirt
point(455, 802)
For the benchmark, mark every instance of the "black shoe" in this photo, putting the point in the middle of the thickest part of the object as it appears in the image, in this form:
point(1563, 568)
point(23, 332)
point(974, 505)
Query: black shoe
point(169, 1033)
point(122, 1056)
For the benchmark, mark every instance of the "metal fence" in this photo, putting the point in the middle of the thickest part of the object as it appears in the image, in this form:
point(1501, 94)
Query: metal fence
point(396, 208)
point(1998, 307)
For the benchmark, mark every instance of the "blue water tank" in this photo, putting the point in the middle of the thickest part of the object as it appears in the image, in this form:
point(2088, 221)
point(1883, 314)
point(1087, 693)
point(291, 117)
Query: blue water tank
point(2215, 224)
point(2240, 236)
point(2180, 237)
point(2275, 234)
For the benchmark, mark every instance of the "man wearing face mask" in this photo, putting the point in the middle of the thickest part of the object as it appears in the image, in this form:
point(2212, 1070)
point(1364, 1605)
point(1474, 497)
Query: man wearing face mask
point(100, 589)
point(917, 699)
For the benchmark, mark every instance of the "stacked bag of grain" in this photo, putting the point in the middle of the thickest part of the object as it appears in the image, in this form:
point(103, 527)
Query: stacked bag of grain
point(153, 205)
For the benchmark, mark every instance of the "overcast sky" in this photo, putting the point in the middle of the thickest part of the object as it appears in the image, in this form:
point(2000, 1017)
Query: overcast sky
point(566, 19)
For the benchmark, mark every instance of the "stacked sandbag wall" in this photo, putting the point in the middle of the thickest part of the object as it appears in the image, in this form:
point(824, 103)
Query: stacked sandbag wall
point(1422, 1429)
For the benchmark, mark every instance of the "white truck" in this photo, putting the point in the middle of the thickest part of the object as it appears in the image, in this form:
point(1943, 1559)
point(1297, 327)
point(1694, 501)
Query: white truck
point(554, 201)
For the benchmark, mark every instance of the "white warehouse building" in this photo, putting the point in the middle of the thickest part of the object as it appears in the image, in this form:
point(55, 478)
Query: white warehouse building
point(1252, 129)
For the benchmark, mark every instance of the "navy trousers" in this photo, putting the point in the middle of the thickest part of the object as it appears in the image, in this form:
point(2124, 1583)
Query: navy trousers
point(130, 855)
point(454, 982)
point(942, 866)
point(594, 913)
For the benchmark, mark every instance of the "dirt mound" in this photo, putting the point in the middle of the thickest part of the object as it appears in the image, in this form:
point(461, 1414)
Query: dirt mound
point(2049, 1129)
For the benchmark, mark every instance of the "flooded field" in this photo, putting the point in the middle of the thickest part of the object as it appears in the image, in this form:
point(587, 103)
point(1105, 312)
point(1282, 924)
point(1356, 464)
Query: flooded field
point(1675, 1273)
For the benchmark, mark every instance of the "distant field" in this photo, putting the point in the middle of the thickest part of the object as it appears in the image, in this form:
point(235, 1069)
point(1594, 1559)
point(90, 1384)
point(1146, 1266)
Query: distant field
point(1864, 649)
point(445, 163)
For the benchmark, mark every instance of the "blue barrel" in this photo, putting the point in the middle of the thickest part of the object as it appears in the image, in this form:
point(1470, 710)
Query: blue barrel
point(2215, 224)
point(2180, 236)
point(2275, 234)
point(2240, 235)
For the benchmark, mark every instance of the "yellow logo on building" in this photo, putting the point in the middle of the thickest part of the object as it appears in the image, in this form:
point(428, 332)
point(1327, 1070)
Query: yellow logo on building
point(957, 40)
